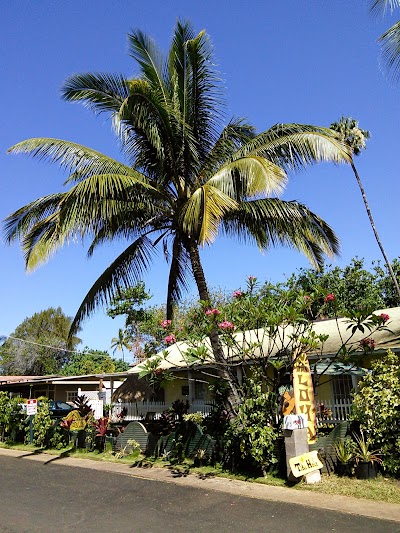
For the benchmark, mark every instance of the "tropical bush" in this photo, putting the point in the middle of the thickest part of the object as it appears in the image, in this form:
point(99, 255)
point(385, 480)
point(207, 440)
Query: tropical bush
point(376, 407)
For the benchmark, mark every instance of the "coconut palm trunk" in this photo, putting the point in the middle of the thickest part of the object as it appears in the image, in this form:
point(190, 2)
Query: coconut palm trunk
point(223, 369)
point(377, 238)
point(355, 138)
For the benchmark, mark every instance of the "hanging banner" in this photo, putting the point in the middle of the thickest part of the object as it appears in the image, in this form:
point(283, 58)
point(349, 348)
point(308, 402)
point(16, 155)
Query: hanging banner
point(304, 393)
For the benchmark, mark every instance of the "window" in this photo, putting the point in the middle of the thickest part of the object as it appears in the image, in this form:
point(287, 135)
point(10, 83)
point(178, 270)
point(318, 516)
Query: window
point(199, 390)
point(342, 387)
point(72, 395)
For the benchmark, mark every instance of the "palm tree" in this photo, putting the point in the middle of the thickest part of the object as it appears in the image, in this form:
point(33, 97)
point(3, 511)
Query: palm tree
point(121, 342)
point(390, 39)
point(355, 138)
point(186, 180)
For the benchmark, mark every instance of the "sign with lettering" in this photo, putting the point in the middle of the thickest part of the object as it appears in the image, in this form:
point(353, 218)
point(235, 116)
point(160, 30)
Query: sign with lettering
point(305, 464)
point(304, 393)
point(31, 407)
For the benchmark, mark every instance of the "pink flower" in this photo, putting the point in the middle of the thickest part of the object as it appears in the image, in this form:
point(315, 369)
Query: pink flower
point(237, 294)
point(367, 344)
point(329, 297)
point(252, 278)
point(307, 298)
point(213, 312)
point(170, 339)
point(226, 325)
point(166, 323)
point(384, 317)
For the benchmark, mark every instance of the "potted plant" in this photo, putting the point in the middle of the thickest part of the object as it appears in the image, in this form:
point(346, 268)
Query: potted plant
point(367, 461)
point(345, 456)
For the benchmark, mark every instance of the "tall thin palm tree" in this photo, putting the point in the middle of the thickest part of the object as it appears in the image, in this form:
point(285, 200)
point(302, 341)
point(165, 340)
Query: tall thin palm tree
point(390, 39)
point(187, 177)
point(121, 342)
point(355, 138)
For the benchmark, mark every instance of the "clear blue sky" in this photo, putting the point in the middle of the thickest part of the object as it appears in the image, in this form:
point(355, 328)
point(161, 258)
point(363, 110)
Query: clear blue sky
point(307, 61)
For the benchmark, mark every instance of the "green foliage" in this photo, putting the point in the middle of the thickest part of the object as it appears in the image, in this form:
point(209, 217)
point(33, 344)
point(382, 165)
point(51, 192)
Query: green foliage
point(93, 362)
point(42, 425)
point(43, 346)
point(11, 417)
point(376, 406)
point(251, 436)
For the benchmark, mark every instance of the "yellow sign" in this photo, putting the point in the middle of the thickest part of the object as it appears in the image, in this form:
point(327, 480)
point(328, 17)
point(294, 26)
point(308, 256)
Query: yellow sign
point(304, 393)
point(305, 464)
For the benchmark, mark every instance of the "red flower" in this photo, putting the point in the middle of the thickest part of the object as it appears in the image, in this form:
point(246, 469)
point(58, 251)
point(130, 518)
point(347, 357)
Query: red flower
point(213, 312)
point(170, 339)
point(227, 326)
point(384, 317)
point(367, 344)
point(329, 297)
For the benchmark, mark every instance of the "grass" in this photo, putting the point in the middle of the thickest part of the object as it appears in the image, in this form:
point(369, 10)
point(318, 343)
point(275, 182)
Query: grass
point(381, 489)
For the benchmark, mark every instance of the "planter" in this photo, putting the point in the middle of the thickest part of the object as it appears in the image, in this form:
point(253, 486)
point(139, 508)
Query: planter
point(366, 470)
point(344, 469)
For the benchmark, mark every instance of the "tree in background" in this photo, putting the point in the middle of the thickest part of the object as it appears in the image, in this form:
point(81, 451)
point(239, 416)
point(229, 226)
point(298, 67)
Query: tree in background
point(355, 138)
point(121, 342)
point(390, 39)
point(39, 345)
point(189, 177)
point(93, 362)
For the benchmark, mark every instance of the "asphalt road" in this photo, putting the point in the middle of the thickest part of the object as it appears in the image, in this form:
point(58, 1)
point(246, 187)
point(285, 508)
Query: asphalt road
point(50, 498)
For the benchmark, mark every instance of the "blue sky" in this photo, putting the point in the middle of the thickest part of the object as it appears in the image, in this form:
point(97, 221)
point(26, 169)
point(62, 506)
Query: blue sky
point(307, 61)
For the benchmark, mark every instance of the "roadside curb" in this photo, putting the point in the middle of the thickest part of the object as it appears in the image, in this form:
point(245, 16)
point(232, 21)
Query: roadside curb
point(319, 500)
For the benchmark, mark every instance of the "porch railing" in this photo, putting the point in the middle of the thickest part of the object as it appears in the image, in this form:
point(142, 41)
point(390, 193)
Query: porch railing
point(139, 410)
point(333, 412)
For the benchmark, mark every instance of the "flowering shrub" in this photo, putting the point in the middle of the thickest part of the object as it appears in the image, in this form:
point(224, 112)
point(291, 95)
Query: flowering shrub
point(367, 344)
point(170, 339)
point(213, 312)
point(227, 326)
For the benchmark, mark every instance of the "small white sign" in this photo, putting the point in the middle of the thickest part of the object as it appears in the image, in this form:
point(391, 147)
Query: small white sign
point(299, 421)
point(31, 407)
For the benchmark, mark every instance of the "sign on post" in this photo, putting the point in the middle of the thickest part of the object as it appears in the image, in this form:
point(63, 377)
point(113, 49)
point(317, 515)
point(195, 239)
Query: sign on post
point(31, 407)
point(305, 464)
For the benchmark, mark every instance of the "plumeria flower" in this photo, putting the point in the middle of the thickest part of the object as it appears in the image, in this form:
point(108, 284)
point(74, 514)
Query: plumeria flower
point(329, 297)
point(213, 312)
point(367, 344)
point(227, 326)
point(166, 323)
point(170, 339)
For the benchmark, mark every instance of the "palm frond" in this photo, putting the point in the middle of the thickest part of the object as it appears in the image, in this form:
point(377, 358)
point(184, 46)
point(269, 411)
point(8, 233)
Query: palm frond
point(202, 213)
point(295, 146)
point(271, 222)
point(126, 271)
point(76, 158)
point(249, 176)
point(177, 280)
point(145, 51)
point(382, 6)
point(390, 42)
point(24, 219)
point(98, 92)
